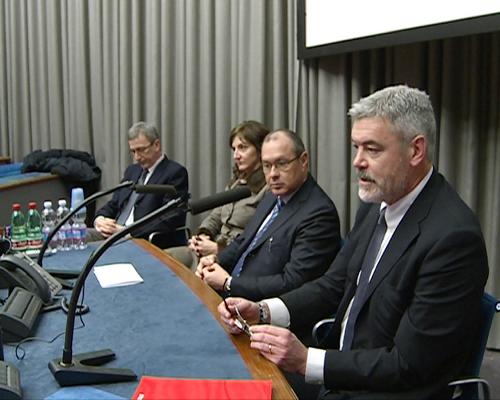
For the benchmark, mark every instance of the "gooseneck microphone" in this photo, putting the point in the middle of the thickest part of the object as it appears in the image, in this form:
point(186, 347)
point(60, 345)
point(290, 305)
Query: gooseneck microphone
point(84, 369)
point(156, 189)
point(87, 368)
point(219, 199)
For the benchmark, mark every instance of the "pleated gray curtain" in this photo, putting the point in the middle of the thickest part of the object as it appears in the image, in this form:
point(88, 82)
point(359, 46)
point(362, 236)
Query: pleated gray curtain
point(77, 74)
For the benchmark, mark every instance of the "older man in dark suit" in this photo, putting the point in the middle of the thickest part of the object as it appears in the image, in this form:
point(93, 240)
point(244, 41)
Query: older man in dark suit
point(406, 286)
point(293, 235)
point(151, 167)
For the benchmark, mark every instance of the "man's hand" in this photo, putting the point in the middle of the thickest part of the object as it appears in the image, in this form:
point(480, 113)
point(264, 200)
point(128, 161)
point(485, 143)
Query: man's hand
point(202, 245)
point(248, 310)
point(106, 226)
point(205, 262)
point(215, 276)
point(280, 346)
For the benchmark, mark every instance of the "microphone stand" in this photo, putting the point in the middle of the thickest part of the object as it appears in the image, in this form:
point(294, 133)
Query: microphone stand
point(73, 212)
point(86, 368)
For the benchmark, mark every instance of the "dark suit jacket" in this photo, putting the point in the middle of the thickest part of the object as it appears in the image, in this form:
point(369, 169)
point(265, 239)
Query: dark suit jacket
point(168, 172)
point(297, 247)
point(414, 332)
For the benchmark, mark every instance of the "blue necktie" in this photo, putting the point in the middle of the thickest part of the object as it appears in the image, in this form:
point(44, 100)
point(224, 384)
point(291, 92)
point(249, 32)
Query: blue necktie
point(129, 205)
point(364, 279)
point(274, 213)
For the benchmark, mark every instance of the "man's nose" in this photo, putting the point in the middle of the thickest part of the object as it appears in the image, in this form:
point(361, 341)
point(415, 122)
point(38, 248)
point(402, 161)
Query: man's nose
point(274, 172)
point(359, 161)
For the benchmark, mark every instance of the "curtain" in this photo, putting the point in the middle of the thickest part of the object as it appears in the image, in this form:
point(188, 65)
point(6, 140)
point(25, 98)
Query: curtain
point(78, 74)
point(461, 76)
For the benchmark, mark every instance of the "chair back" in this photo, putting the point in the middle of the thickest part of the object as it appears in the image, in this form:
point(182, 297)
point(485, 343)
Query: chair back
point(489, 306)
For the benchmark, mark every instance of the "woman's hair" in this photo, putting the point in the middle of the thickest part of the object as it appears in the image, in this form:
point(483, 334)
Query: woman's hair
point(252, 132)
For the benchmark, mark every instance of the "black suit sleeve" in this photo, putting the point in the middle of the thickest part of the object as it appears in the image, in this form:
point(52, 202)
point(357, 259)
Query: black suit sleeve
point(320, 298)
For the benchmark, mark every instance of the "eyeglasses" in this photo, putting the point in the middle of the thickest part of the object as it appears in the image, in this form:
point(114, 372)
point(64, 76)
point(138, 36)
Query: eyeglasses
point(280, 165)
point(141, 150)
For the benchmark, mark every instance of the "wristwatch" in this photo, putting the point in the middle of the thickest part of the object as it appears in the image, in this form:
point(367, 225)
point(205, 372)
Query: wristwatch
point(264, 314)
point(227, 284)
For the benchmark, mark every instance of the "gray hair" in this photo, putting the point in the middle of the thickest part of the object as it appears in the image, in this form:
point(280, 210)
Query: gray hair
point(148, 130)
point(297, 143)
point(408, 110)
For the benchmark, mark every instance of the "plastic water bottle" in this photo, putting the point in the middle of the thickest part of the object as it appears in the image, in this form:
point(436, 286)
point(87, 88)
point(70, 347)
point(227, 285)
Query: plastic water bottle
point(65, 232)
point(34, 229)
point(48, 222)
point(79, 227)
point(18, 229)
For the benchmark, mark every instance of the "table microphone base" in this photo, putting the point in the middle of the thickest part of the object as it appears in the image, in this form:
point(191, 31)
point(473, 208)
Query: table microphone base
point(85, 369)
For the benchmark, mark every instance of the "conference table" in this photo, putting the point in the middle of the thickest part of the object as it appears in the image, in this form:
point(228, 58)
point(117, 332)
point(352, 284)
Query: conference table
point(167, 326)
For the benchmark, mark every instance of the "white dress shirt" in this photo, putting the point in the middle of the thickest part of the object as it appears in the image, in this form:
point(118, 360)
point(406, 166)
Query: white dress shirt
point(130, 219)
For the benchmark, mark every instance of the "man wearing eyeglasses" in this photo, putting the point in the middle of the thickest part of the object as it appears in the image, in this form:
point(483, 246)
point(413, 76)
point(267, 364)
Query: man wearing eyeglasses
point(292, 237)
point(405, 288)
point(151, 166)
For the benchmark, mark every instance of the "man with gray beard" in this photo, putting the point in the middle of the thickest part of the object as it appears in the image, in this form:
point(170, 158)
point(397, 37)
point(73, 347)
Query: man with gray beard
point(407, 284)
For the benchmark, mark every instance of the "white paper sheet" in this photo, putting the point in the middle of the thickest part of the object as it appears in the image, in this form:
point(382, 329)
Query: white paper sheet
point(114, 275)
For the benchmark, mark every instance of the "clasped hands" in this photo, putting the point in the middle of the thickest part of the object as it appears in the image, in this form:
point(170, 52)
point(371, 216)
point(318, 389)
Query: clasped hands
point(202, 245)
point(211, 272)
point(278, 345)
point(106, 226)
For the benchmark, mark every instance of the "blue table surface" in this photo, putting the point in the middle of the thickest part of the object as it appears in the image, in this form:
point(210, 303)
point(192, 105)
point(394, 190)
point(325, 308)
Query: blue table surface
point(156, 328)
point(16, 177)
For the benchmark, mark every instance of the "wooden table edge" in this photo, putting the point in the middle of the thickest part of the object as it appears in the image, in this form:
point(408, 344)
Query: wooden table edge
point(259, 367)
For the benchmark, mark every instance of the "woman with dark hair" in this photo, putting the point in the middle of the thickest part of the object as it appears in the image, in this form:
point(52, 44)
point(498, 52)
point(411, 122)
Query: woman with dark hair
point(225, 223)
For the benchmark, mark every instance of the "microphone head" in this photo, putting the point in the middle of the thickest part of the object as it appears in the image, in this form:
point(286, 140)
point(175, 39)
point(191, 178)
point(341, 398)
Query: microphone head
point(219, 199)
point(157, 189)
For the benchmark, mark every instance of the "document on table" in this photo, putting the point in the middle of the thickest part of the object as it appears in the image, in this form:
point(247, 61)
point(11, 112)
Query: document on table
point(114, 275)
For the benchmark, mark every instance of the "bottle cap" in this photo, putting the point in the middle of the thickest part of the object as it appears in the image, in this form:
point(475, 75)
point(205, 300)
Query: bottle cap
point(47, 204)
point(32, 205)
point(16, 206)
point(62, 202)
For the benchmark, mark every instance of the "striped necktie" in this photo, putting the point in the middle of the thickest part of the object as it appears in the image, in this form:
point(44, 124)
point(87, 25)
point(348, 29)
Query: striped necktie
point(129, 205)
point(274, 213)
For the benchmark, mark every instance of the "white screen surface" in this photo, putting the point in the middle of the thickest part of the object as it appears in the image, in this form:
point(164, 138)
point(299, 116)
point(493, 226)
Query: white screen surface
point(331, 21)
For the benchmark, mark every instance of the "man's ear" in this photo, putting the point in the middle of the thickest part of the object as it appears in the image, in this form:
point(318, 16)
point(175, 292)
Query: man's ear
point(304, 159)
point(418, 149)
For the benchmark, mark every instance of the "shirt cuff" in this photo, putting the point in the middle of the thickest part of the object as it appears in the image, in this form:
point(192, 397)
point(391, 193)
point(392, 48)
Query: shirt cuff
point(279, 313)
point(315, 366)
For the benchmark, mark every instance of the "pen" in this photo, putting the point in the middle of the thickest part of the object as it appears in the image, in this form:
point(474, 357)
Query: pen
point(270, 243)
point(225, 304)
point(241, 323)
